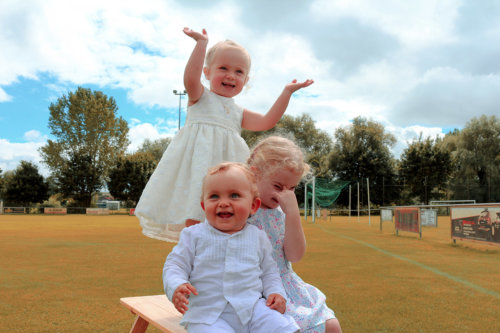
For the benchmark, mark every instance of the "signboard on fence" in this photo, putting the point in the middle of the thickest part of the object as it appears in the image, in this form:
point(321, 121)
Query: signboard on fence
point(428, 217)
point(97, 211)
point(386, 215)
point(477, 223)
point(53, 210)
point(14, 210)
point(407, 219)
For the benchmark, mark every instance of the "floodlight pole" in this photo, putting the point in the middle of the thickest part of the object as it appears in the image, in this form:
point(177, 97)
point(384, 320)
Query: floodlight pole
point(180, 94)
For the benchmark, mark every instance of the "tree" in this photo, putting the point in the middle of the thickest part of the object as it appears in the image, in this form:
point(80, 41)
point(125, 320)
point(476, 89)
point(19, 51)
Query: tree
point(130, 175)
point(79, 179)
point(425, 168)
point(156, 148)
point(316, 143)
point(1, 180)
point(26, 186)
point(90, 137)
point(477, 160)
point(2, 185)
point(361, 151)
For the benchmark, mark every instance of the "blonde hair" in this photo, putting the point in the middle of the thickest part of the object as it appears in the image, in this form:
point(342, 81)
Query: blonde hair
point(224, 166)
point(224, 45)
point(276, 152)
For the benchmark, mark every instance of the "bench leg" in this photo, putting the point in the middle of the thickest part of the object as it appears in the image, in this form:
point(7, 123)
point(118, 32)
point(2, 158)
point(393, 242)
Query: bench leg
point(140, 325)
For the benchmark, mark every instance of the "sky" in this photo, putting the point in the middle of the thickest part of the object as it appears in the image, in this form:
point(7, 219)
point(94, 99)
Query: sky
point(417, 67)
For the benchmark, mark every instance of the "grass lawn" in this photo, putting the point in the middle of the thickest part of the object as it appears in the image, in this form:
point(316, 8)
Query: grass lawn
point(67, 274)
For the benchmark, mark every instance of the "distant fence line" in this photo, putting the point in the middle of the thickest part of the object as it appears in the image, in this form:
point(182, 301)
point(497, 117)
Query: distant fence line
point(319, 212)
point(66, 210)
point(130, 211)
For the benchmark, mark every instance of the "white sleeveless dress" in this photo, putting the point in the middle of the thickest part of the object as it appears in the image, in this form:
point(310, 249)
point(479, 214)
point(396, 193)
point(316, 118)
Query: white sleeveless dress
point(173, 193)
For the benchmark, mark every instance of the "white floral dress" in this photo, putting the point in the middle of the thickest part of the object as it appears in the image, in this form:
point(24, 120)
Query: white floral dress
point(173, 193)
point(306, 303)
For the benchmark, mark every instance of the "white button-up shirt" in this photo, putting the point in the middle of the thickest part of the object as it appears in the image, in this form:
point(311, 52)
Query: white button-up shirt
point(236, 268)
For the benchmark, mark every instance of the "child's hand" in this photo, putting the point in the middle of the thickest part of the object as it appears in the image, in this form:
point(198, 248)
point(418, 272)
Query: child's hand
point(288, 202)
point(181, 295)
point(196, 35)
point(294, 85)
point(276, 302)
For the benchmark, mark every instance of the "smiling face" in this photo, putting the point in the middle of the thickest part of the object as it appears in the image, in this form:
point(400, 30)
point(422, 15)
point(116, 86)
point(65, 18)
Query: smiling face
point(270, 184)
point(228, 71)
point(229, 199)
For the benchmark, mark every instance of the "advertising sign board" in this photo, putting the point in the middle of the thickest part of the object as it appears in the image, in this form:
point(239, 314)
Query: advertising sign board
point(428, 217)
point(407, 219)
point(477, 223)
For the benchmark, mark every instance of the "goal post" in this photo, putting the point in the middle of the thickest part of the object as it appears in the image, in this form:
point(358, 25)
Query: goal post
point(323, 193)
point(313, 181)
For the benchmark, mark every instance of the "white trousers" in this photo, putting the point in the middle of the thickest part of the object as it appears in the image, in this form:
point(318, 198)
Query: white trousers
point(264, 320)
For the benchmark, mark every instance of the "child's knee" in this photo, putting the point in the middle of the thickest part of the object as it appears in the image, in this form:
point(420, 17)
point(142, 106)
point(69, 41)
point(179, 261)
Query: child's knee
point(217, 327)
point(332, 326)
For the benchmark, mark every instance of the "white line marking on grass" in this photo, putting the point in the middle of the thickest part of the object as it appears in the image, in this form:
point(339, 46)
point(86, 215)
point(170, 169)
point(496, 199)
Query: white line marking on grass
point(416, 263)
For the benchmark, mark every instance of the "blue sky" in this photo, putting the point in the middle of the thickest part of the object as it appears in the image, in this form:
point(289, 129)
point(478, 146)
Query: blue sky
point(416, 67)
point(29, 107)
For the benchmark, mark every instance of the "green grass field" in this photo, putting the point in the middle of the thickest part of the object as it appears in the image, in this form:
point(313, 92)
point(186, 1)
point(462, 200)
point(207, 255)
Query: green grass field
point(67, 274)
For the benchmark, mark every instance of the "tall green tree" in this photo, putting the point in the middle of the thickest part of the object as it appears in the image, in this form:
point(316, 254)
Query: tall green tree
point(79, 179)
point(425, 168)
point(316, 143)
point(130, 175)
point(89, 136)
point(26, 186)
point(477, 160)
point(361, 151)
point(156, 147)
point(1, 184)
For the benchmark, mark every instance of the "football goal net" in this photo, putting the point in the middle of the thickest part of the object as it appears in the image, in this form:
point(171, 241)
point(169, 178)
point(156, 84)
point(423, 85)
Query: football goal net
point(322, 193)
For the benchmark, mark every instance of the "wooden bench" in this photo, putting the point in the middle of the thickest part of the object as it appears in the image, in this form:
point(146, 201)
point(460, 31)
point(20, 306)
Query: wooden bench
point(156, 310)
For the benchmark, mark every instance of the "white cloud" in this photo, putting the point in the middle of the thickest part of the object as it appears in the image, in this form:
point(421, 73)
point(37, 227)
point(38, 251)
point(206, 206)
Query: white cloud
point(4, 97)
point(413, 66)
point(120, 43)
point(34, 136)
point(416, 24)
point(447, 97)
point(406, 135)
point(13, 153)
point(142, 131)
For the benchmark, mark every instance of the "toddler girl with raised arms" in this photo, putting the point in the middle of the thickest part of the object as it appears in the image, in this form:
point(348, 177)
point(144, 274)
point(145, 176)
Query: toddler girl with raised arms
point(211, 135)
point(278, 164)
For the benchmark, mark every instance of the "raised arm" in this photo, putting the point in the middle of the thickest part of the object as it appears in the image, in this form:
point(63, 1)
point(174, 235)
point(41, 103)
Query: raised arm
point(194, 66)
point(254, 121)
